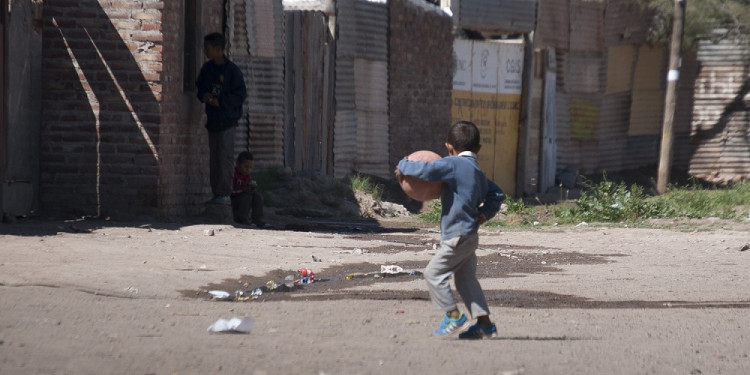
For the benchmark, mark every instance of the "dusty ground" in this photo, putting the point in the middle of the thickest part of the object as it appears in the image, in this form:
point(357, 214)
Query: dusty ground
point(101, 297)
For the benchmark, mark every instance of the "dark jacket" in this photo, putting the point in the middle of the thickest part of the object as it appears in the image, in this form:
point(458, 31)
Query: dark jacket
point(226, 83)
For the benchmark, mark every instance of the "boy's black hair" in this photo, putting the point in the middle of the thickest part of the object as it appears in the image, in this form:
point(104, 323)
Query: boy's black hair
point(464, 136)
point(244, 156)
point(215, 39)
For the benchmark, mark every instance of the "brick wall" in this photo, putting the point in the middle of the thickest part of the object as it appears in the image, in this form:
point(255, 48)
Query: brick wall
point(119, 136)
point(183, 178)
point(420, 78)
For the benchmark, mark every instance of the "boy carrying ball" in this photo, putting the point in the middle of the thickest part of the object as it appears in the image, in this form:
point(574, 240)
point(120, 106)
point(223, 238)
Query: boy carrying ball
point(468, 199)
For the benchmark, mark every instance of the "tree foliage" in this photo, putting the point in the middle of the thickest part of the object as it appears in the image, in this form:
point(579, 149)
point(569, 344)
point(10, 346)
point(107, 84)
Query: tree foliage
point(703, 18)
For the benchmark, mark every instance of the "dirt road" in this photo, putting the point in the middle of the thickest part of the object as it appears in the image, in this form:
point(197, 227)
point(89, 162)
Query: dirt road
point(131, 298)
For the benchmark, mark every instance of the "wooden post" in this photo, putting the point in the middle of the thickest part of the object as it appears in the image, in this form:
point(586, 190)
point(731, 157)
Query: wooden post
point(667, 134)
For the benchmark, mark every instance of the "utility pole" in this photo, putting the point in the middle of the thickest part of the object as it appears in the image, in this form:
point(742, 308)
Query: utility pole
point(667, 134)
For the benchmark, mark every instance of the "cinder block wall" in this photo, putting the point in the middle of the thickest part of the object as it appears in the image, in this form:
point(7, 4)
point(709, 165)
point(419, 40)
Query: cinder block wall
point(420, 78)
point(119, 136)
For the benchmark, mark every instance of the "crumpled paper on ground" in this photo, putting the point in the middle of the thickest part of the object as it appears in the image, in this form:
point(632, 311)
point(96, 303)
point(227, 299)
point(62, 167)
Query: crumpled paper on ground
point(234, 325)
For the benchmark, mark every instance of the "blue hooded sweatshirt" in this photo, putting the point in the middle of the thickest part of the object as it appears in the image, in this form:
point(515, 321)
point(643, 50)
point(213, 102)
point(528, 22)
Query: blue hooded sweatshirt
point(467, 192)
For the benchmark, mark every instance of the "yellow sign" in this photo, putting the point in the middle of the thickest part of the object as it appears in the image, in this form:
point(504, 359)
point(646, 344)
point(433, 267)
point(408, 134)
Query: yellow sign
point(487, 92)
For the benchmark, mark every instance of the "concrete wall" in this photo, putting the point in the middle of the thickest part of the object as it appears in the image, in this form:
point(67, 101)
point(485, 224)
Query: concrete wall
point(420, 78)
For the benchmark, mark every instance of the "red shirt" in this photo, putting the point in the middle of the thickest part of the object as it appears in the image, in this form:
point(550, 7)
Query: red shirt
point(240, 182)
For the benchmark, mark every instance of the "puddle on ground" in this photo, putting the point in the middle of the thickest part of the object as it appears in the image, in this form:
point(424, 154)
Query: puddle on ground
point(337, 280)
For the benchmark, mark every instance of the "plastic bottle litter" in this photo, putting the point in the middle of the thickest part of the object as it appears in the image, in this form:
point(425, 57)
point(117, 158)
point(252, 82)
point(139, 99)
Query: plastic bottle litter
point(350, 276)
point(391, 269)
point(256, 293)
point(289, 281)
point(308, 276)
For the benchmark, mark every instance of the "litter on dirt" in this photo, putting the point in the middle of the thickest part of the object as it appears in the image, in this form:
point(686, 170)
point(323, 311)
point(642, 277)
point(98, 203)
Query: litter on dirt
point(234, 325)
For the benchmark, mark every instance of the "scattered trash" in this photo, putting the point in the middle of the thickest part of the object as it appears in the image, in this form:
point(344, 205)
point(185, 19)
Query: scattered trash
point(240, 296)
point(544, 262)
point(745, 247)
point(219, 294)
point(209, 232)
point(256, 293)
point(234, 325)
point(316, 259)
point(350, 276)
point(271, 285)
point(132, 289)
point(308, 276)
point(391, 269)
point(289, 281)
point(353, 252)
point(582, 224)
point(399, 311)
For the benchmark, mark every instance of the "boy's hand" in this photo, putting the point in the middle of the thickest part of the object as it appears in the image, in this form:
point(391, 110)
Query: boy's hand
point(398, 174)
point(482, 219)
point(210, 100)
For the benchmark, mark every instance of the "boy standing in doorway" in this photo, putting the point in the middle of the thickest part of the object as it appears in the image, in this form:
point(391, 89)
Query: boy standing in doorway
point(221, 87)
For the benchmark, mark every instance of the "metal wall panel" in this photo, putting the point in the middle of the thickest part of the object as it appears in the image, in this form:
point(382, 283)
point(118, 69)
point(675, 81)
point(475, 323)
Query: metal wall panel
point(625, 23)
point(361, 121)
point(613, 131)
point(553, 26)
point(498, 16)
point(564, 147)
point(586, 24)
point(720, 131)
point(255, 44)
point(641, 151)
point(585, 73)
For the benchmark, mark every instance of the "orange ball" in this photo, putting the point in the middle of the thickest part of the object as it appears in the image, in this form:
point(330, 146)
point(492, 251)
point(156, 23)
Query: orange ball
point(417, 189)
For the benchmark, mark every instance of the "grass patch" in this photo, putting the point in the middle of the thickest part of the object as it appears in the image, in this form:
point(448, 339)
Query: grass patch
point(358, 182)
point(433, 213)
point(616, 202)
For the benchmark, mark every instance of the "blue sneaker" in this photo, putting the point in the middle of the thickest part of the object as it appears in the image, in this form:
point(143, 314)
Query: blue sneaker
point(478, 332)
point(449, 325)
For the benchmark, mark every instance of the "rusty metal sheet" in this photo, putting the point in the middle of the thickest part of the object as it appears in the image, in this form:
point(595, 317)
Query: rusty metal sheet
point(554, 21)
point(720, 131)
point(586, 23)
point(585, 73)
point(498, 16)
point(625, 23)
point(613, 131)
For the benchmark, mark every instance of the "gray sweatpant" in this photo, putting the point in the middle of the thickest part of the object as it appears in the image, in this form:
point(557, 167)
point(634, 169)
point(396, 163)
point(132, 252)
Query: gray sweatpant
point(456, 256)
point(221, 161)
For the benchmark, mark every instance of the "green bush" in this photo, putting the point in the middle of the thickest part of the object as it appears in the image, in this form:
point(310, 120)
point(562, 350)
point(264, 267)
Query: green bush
point(608, 201)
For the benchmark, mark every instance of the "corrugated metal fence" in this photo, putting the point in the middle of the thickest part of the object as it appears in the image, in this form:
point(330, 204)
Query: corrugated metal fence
point(256, 45)
point(720, 131)
point(361, 118)
point(610, 86)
